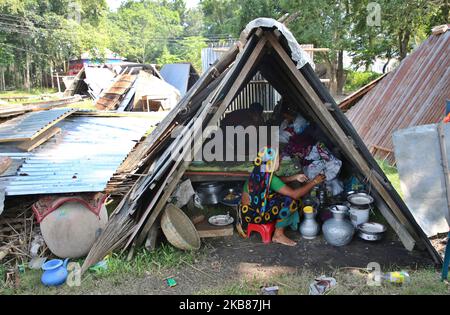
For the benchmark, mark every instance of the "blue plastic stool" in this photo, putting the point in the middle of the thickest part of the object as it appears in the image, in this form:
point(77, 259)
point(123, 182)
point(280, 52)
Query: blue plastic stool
point(446, 260)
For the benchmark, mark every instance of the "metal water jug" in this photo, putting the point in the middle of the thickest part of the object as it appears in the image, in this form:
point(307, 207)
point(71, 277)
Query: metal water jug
point(309, 228)
point(338, 231)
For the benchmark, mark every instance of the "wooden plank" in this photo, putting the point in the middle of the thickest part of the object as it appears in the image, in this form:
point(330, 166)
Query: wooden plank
point(382, 148)
point(242, 76)
point(141, 154)
point(406, 238)
point(344, 142)
point(5, 163)
point(444, 158)
point(159, 206)
point(206, 230)
point(43, 137)
point(12, 169)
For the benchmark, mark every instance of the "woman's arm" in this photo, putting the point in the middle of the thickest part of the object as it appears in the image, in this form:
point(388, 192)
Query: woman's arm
point(298, 177)
point(302, 191)
point(245, 199)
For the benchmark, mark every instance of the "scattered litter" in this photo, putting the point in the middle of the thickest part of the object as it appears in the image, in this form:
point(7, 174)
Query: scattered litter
point(273, 290)
point(171, 282)
point(397, 277)
point(37, 262)
point(321, 285)
point(21, 268)
point(100, 266)
point(183, 194)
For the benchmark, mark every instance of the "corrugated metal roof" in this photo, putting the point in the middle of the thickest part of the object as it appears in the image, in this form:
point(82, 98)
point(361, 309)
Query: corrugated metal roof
point(82, 158)
point(212, 54)
point(177, 75)
point(30, 125)
point(413, 94)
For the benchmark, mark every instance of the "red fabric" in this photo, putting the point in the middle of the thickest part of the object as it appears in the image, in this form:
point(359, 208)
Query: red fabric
point(48, 204)
point(265, 230)
point(447, 118)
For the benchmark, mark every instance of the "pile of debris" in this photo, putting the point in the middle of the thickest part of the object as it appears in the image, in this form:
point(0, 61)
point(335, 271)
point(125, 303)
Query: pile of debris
point(132, 87)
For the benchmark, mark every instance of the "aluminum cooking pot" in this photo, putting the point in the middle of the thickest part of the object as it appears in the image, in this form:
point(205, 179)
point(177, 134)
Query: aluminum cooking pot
point(209, 193)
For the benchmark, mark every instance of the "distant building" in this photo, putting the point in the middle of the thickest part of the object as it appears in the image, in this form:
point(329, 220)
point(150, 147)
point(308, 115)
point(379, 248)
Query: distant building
point(76, 64)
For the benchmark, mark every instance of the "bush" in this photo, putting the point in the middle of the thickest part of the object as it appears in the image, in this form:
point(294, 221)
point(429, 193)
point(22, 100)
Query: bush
point(356, 80)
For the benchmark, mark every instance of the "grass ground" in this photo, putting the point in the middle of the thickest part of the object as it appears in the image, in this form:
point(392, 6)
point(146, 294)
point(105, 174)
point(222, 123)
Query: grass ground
point(392, 174)
point(49, 95)
point(32, 92)
point(162, 261)
point(349, 282)
point(150, 270)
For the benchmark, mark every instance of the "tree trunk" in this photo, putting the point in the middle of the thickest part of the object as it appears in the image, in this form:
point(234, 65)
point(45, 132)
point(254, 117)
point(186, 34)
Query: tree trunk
point(403, 38)
point(331, 70)
point(386, 65)
point(27, 79)
point(340, 73)
point(51, 74)
point(445, 10)
point(2, 79)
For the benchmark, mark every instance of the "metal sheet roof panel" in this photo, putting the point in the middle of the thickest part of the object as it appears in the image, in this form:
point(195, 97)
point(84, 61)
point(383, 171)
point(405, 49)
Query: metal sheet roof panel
point(82, 158)
point(413, 94)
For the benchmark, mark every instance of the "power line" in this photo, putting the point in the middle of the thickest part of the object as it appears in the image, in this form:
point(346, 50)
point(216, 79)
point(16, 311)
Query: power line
point(23, 49)
point(17, 18)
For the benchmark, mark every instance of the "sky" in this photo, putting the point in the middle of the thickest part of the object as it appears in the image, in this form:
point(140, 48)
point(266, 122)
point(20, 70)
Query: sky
point(114, 4)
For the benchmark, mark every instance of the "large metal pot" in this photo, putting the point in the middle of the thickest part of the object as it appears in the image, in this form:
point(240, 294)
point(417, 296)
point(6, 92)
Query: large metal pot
point(209, 193)
point(360, 204)
point(371, 231)
point(338, 231)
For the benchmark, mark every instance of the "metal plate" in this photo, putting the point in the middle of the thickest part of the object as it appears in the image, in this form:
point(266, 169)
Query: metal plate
point(221, 220)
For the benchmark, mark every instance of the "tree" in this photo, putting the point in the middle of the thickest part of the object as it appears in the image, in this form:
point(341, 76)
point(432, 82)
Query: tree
point(221, 17)
point(141, 30)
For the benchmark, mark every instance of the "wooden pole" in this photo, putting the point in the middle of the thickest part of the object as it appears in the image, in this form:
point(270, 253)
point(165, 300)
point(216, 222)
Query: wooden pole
point(57, 80)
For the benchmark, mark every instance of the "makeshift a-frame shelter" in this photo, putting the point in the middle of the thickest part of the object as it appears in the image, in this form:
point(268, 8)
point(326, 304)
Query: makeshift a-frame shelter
point(269, 47)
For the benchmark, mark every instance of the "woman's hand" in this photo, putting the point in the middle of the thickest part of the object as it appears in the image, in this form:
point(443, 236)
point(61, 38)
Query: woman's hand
point(301, 178)
point(319, 179)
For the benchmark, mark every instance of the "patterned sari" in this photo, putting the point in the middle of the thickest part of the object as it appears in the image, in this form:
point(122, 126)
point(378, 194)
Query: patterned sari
point(265, 205)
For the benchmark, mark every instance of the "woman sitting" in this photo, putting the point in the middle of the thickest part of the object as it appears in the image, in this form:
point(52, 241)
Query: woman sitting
point(267, 198)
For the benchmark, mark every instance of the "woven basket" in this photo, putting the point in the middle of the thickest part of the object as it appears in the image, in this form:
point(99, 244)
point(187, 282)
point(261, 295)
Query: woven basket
point(179, 229)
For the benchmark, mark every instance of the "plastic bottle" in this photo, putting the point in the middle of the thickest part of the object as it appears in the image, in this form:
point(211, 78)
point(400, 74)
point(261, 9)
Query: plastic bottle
point(397, 277)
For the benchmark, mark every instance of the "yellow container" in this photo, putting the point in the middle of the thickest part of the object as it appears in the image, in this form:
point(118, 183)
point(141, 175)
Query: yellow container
point(308, 209)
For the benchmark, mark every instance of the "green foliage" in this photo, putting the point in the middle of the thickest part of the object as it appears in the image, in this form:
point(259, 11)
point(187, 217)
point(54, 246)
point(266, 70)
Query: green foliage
point(392, 174)
point(39, 35)
point(357, 79)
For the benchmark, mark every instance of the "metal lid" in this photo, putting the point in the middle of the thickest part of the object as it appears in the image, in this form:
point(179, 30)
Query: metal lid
point(360, 199)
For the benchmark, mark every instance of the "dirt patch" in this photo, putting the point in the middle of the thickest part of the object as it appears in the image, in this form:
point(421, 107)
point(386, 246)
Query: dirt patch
point(317, 254)
point(234, 259)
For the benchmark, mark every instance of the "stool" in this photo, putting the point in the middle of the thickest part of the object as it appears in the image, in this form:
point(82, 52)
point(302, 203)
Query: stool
point(265, 230)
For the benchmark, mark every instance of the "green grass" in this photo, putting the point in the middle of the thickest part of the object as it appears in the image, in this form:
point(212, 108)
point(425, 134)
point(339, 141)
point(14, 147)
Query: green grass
point(357, 79)
point(119, 270)
point(349, 282)
point(392, 174)
point(32, 92)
